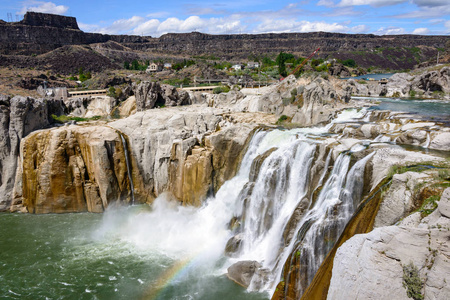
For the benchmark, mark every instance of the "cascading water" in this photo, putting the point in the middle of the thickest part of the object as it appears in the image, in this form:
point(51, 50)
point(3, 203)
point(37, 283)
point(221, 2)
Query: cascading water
point(127, 161)
point(183, 247)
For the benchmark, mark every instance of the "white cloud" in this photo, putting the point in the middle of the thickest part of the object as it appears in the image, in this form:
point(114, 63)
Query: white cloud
point(43, 7)
point(155, 27)
point(327, 3)
point(390, 31)
point(421, 31)
point(158, 14)
point(447, 24)
point(428, 12)
point(375, 3)
point(360, 29)
point(286, 25)
point(123, 25)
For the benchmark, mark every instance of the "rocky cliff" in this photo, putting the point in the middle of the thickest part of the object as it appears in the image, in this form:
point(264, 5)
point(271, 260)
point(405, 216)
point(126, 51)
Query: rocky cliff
point(39, 33)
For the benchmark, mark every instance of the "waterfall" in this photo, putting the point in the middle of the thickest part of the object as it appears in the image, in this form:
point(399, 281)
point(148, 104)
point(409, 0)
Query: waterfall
point(127, 161)
point(274, 206)
point(326, 221)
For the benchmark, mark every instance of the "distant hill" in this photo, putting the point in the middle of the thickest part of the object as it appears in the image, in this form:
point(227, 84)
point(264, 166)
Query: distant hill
point(39, 33)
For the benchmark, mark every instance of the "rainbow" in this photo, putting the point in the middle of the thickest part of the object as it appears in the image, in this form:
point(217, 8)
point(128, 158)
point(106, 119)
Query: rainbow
point(178, 270)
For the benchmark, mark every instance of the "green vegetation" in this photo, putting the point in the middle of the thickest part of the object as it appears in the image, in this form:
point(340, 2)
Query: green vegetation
point(282, 119)
point(412, 93)
point(281, 60)
point(349, 63)
point(221, 89)
point(64, 119)
point(184, 64)
point(412, 282)
point(83, 76)
point(136, 65)
point(428, 205)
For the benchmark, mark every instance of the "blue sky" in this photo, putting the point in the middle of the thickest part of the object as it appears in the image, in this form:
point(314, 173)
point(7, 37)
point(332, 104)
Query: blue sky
point(155, 18)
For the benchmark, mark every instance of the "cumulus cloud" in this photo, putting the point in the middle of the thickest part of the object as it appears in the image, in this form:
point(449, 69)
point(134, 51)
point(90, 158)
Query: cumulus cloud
point(155, 27)
point(390, 30)
point(285, 25)
point(375, 3)
point(360, 29)
point(43, 7)
point(123, 25)
point(421, 31)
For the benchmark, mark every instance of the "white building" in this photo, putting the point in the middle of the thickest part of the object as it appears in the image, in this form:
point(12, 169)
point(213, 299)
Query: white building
point(237, 67)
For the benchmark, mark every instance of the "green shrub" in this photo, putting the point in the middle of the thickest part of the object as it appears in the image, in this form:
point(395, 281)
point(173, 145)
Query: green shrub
point(282, 119)
point(412, 93)
point(221, 89)
point(412, 282)
point(349, 63)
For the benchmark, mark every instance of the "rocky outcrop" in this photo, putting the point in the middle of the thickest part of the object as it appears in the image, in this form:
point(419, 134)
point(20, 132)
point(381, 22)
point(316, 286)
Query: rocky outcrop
point(372, 266)
point(151, 94)
point(339, 70)
point(242, 272)
point(427, 83)
point(320, 100)
point(50, 20)
point(40, 33)
point(74, 169)
point(182, 151)
point(18, 117)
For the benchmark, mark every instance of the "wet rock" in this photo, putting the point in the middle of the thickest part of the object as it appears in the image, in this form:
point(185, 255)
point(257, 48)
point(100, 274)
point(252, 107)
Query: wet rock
point(242, 272)
point(233, 245)
point(18, 117)
point(257, 162)
point(73, 169)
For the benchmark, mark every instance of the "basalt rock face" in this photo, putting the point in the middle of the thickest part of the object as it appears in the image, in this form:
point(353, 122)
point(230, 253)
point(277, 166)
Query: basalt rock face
point(18, 117)
point(39, 33)
point(58, 21)
point(74, 169)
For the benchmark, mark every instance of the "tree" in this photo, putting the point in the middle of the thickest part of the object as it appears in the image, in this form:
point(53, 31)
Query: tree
point(126, 65)
point(135, 65)
point(349, 63)
point(281, 60)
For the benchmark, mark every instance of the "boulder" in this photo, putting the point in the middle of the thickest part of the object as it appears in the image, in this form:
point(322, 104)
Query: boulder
point(440, 141)
point(242, 272)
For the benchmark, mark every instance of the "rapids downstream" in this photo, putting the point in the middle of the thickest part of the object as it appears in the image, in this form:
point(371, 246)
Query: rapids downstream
point(167, 251)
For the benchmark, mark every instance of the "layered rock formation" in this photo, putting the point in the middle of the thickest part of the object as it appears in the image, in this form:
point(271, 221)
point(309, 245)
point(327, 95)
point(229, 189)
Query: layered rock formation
point(435, 83)
point(74, 169)
point(373, 265)
point(19, 116)
point(39, 33)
